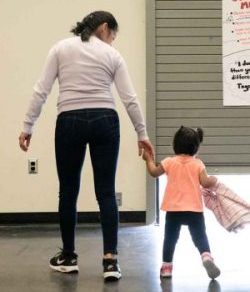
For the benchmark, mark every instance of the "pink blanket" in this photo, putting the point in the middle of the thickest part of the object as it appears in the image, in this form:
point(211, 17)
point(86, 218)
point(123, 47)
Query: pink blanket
point(231, 211)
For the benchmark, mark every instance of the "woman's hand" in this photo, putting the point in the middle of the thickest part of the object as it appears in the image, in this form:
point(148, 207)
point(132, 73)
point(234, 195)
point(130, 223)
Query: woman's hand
point(146, 145)
point(155, 170)
point(24, 141)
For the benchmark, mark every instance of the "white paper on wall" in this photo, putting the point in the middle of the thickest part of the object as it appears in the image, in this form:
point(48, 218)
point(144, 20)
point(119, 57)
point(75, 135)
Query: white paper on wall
point(236, 52)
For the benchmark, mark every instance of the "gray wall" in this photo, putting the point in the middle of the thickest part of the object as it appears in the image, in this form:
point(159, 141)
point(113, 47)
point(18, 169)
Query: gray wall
point(184, 87)
point(187, 77)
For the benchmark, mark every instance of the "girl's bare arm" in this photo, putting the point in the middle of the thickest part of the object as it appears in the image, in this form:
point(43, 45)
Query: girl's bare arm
point(207, 181)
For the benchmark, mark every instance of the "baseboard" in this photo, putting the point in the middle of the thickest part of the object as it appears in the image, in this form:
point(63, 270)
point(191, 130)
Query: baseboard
point(83, 217)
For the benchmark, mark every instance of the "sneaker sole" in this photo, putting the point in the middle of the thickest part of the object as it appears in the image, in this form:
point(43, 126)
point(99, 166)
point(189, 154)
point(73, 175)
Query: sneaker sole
point(112, 276)
point(165, 276)
point(65, 269)
point(212, 271)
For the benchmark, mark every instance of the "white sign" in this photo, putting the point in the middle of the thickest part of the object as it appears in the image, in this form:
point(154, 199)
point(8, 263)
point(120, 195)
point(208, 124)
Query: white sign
point(236, 52)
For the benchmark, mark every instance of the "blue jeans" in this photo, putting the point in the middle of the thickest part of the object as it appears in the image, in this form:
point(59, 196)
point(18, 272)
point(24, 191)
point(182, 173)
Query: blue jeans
point(99, 128)
point(196, 225)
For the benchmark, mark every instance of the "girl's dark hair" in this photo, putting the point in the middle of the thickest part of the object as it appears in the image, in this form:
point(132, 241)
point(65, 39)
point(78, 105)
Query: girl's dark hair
point(90, 23)
point(187, 140)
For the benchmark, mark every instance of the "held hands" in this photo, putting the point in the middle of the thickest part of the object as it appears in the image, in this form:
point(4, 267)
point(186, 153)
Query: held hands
point(146, 146)
point(146, 150)
point(146, 155)
point(24, 141)
point(155, 170)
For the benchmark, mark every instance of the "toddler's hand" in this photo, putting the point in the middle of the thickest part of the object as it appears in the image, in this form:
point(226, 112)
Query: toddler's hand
point(146, 155)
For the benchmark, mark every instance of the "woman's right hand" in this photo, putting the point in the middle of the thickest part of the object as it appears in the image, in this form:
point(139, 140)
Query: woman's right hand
point(24, 141)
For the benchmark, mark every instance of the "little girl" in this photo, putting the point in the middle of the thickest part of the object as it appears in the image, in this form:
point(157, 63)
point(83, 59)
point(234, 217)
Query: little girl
point(183, 200)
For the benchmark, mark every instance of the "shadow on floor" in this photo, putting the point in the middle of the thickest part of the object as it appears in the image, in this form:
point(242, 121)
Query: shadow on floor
point(167, 286)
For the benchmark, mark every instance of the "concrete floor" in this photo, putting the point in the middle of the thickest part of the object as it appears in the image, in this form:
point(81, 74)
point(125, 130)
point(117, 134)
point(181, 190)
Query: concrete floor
point(25, 252)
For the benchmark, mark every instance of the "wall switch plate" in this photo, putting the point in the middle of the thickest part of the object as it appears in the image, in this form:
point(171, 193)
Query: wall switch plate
point(33, 165)
point(118, 198)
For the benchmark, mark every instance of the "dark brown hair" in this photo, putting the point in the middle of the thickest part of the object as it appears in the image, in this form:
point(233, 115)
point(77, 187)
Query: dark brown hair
point(90, 23)
point(187, 140)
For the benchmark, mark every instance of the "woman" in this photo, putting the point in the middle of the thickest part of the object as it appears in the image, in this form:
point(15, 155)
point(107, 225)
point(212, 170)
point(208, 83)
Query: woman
point(86, 65)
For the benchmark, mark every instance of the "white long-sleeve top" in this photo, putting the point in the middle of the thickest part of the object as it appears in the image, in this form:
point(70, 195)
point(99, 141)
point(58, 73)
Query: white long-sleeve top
point(85, 72)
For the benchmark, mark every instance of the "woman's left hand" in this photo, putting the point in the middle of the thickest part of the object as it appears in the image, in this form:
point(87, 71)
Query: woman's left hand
point(146, 144)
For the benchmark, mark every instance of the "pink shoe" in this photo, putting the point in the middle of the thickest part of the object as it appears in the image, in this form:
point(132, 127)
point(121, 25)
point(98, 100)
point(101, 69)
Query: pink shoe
point(208, 262)
point(166, 270)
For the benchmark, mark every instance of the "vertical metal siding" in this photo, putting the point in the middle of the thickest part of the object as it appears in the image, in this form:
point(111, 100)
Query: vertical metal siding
point(188, 36)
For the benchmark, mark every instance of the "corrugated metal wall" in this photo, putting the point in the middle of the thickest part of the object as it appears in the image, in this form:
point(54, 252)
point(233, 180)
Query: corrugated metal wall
point(188, 48)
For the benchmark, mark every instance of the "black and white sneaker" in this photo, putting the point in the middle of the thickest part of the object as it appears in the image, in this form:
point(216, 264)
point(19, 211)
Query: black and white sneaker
point(111, 270)
point(64, 262)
